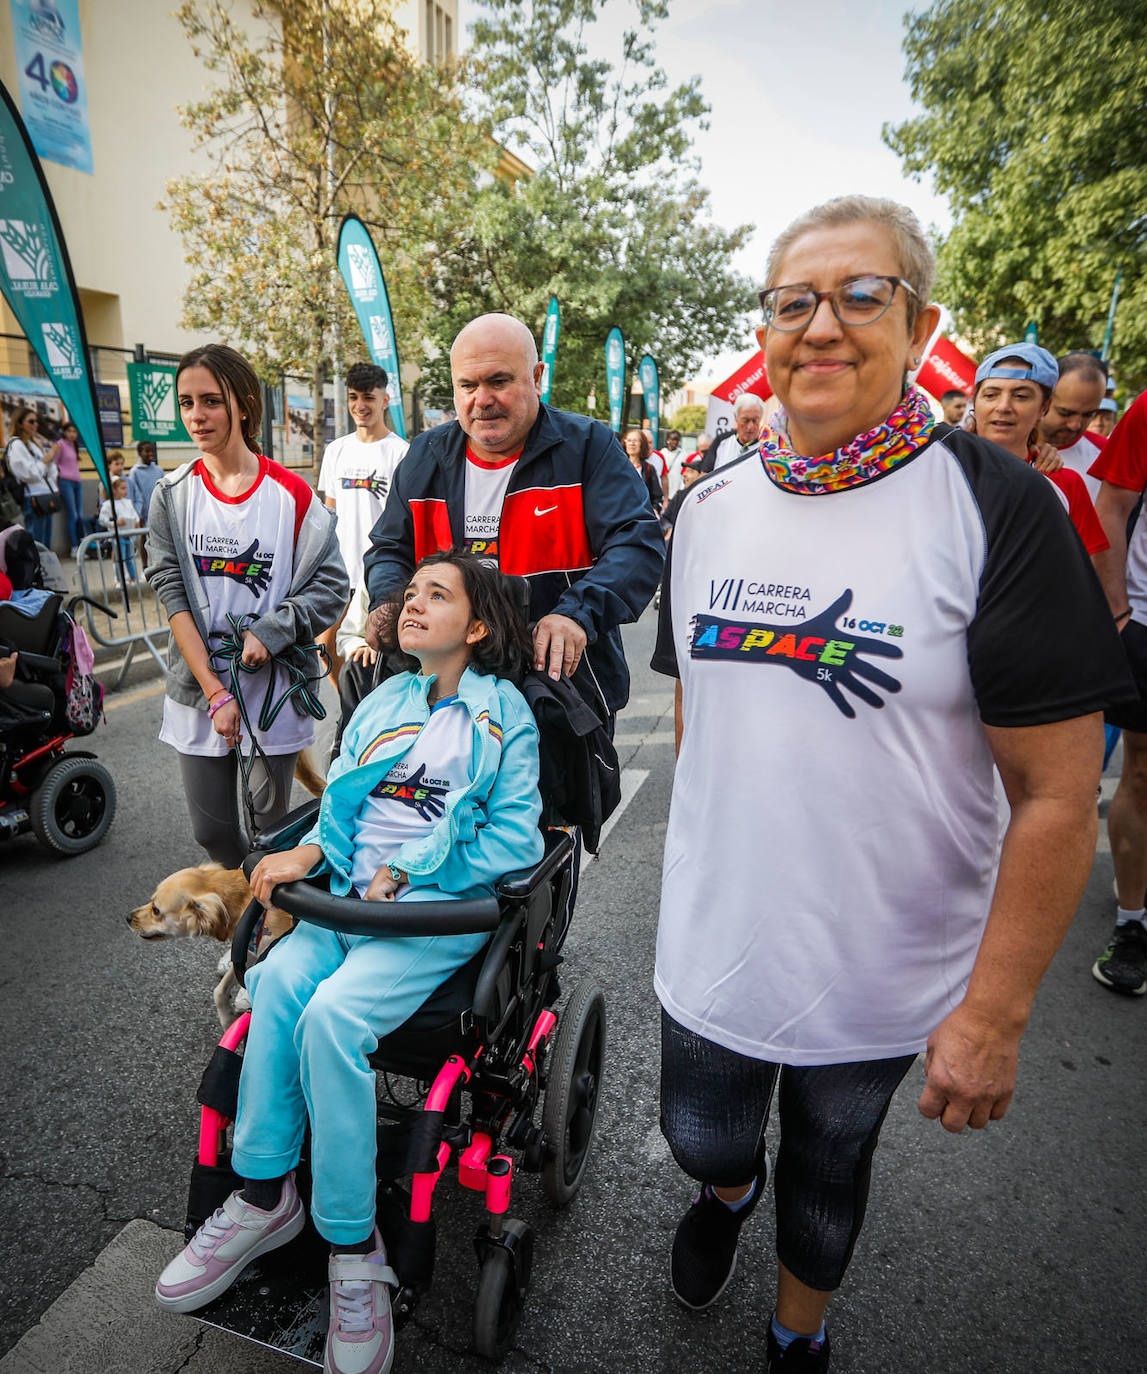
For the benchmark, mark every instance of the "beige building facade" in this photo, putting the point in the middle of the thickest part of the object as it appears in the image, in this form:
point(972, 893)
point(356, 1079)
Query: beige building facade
point(127, 260)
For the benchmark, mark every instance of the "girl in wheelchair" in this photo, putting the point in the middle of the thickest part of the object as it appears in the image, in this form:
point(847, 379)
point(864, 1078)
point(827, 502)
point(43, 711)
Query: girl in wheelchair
point(434, 794)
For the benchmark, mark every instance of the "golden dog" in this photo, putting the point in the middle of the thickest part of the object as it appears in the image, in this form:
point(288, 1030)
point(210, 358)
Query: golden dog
point(207, 900)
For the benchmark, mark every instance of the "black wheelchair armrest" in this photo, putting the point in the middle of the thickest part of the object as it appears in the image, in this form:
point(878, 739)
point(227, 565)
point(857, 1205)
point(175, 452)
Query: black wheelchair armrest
point(40, 662)
point(289, 831)
point(486, 990)
point(354, 917)
point(519, 884)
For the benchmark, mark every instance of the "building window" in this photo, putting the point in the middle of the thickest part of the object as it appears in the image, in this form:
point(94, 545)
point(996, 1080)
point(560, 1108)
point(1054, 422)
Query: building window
point(437, 33)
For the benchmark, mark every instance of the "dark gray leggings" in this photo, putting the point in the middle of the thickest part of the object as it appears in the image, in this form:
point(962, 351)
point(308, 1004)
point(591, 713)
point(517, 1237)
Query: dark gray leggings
point(715, 1107)
point(212, 791)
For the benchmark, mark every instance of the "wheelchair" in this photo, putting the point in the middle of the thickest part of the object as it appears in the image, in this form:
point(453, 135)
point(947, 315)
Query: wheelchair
point(506, 1083)
point(66, 797)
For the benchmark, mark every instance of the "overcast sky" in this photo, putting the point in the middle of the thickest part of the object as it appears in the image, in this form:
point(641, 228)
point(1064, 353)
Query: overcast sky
point(798, 91)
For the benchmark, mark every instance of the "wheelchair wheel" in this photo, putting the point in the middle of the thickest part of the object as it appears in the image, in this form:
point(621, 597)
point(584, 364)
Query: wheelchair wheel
point(572, 1091)
point(73, 806)
point(502, 1283)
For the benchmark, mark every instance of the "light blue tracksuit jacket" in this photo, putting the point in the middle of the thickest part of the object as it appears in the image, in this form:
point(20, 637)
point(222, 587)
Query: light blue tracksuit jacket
point(322, 1001)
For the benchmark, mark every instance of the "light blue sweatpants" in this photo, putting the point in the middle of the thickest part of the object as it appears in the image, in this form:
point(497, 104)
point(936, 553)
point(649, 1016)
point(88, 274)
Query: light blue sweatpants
point(320, 1004)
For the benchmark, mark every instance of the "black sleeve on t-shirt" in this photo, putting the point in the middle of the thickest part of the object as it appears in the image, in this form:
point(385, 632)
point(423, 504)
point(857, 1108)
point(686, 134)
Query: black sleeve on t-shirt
point(1042, 646)
point(664, 658)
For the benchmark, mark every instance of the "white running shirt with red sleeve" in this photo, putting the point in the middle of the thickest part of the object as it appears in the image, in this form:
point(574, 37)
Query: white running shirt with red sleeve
point(486, 486)
point(243, 548)
point(1080, 456)
point(1123, 463)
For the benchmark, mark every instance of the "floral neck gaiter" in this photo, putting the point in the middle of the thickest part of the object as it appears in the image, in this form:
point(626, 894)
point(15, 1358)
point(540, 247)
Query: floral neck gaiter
point(863, 459)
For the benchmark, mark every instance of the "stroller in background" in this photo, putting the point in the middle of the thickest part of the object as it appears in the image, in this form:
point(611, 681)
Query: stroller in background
point(66, 797)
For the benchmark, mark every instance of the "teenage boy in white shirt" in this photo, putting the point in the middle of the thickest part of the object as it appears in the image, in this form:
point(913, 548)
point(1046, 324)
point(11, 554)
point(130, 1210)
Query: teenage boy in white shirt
point(356, 475)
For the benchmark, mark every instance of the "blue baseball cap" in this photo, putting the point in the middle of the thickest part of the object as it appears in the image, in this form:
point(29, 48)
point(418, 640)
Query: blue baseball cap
point(1042, 367)
point(1108, 403)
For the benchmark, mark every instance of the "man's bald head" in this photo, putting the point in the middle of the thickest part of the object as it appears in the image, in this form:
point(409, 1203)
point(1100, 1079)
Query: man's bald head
point(501, 331)
point(496, 373)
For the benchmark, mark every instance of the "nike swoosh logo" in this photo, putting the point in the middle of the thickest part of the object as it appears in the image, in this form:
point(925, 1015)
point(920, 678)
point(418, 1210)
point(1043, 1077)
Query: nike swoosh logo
point(539, 511)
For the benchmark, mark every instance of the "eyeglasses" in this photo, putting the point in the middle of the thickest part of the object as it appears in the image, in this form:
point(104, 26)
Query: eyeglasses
point(858, 301)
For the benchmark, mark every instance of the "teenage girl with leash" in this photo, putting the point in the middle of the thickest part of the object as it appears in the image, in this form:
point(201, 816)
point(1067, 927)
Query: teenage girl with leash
point(244, 558)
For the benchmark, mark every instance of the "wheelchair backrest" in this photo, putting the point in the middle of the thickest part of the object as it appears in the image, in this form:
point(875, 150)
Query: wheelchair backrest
point(34, 634)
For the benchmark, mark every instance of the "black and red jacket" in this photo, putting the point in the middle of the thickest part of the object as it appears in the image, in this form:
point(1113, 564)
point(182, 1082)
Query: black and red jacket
point(576, 522)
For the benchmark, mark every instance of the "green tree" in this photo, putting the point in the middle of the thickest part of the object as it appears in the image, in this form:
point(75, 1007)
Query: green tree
point(613, 220)
point(688, 419)
point(319, 110)
point(1034, 129)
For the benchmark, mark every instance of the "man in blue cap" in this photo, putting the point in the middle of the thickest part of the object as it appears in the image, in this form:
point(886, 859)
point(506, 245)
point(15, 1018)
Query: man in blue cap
point(1108, 416)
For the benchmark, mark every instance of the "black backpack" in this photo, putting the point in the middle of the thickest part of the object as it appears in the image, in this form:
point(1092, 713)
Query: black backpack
point(22, 561)
point(580, 779)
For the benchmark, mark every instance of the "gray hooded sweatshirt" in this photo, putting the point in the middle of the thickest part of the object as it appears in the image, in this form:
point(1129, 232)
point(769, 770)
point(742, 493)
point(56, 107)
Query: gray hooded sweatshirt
point(318, 593)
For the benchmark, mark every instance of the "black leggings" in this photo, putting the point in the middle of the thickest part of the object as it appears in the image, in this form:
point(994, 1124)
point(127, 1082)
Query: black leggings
point(714, 1110)
point(210, 785)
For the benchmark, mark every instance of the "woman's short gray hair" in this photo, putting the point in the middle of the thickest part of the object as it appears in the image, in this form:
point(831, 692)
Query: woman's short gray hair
point(917, 263)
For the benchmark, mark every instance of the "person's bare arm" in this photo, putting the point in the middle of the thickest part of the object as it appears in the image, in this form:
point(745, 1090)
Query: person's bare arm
point(330, 502)
point(1114, 506)
point(226, 721)
point(1050, 773)
point(678, 714)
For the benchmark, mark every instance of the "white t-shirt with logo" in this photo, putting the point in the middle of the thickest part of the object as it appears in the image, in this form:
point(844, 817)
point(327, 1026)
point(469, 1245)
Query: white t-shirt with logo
point(831, 849)
point(358, 477)
point(410, 801)
point(1079, 457)
point(486, 486)
point(243, 549)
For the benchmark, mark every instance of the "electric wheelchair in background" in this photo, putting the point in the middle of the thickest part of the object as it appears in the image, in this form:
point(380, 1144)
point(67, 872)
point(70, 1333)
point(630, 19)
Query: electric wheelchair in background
point(65, 796)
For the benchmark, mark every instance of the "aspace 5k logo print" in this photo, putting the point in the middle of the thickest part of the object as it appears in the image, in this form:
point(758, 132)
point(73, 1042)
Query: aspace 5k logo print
point(425, 795)
point(372, 482)
point(215, 556)
point(820, 650)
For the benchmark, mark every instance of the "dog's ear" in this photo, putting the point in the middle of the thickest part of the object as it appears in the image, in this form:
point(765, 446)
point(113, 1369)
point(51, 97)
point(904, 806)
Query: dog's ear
point(210, 912)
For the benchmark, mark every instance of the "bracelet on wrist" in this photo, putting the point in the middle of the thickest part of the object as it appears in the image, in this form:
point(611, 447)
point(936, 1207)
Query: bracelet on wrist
point(1122, 615)
point(217, 702)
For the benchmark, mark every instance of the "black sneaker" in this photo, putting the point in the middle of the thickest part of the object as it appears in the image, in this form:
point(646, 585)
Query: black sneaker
point(705, 1245)
point(1123, 964)
point(802, 1357)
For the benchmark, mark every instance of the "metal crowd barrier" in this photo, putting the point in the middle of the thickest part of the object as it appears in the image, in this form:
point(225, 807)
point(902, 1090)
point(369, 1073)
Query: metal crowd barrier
point(140, 621)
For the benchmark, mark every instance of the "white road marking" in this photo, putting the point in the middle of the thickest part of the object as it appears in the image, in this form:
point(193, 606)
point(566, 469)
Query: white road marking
point(654, 737)
point(112, 701)
point(631, 780)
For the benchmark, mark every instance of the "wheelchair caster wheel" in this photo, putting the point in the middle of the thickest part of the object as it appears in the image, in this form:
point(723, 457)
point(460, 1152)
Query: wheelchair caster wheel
point(502, 1283)
point(572, 1093)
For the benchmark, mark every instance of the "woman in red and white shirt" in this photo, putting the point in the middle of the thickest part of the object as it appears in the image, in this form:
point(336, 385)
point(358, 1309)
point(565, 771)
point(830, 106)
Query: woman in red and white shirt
point(237, 534)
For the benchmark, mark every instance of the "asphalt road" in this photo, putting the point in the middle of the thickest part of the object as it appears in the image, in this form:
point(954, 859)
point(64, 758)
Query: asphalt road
point(1018, 1248)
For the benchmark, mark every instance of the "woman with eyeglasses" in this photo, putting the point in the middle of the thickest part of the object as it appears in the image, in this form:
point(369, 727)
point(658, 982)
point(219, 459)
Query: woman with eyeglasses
point(33, 462)
point(863, 618)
